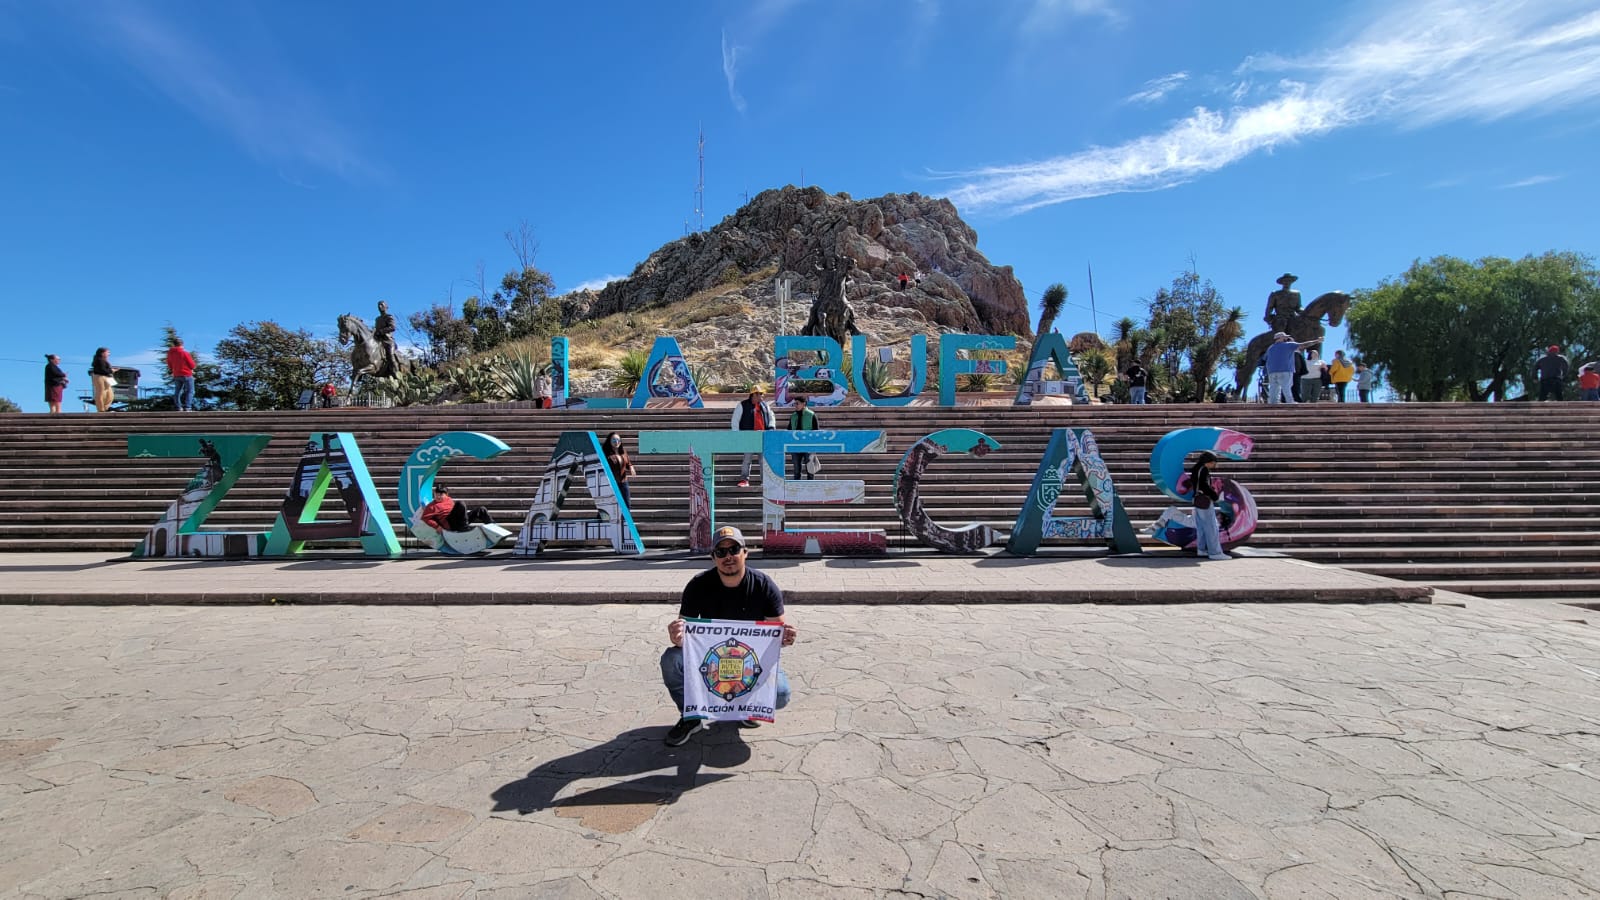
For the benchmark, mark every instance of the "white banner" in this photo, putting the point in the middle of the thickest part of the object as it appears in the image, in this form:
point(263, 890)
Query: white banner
point(730, 669)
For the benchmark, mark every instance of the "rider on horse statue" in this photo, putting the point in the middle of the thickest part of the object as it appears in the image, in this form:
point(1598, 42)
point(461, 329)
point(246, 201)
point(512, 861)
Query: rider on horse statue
point(1283, 305)
point(383, 332)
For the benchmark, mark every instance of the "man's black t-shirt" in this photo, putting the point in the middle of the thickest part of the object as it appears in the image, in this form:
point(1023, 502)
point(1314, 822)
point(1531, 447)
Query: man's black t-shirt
point(754, 599)
point(1136, 375)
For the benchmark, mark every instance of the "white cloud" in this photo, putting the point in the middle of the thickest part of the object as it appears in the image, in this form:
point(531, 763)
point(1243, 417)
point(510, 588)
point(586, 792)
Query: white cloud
point(1425, 62)
point(262, 104)
point(1156, 89)
point(595, 284)
point(1531, 181)
point(730, 71)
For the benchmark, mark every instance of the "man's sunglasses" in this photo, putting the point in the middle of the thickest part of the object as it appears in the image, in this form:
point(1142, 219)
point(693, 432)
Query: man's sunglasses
point(721, 552)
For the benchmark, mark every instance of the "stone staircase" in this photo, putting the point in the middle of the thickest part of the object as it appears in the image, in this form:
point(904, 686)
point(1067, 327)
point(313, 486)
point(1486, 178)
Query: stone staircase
point(1492, 500)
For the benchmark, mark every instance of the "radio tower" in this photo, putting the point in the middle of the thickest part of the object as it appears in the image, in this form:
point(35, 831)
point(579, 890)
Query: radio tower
point(700, 186)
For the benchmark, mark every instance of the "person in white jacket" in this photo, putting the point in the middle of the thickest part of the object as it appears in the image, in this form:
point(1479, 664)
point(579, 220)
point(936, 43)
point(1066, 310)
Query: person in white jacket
point(752, 414)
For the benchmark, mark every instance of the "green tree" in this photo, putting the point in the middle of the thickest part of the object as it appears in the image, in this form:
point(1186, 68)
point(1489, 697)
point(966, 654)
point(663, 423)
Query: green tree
point(1190, 331)
point(7, 405)
point(1452, 329)
point(206, 375)
point(262, 365)
point(446, 337)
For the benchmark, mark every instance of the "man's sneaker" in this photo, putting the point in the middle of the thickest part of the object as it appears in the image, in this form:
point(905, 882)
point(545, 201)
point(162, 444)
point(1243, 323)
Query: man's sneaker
point(749, 723)
point(1220, 556)
point(681, 732)
point(744, 482)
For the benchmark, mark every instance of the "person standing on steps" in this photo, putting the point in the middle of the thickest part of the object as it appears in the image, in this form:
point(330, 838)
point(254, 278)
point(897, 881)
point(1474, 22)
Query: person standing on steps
point(621, 466)
point(728, 590)
point(1340, 371)
point(1589, 382)
point(802, 419)
point(1311, 381)
point(1551, 370)
point(102, 375)
point(541, 390)
point(1281, 358)
point(751, 414)
point(1366, 380)
point(55, 382)
point(1138, 381)
point(1207, 537)
point(180, 363)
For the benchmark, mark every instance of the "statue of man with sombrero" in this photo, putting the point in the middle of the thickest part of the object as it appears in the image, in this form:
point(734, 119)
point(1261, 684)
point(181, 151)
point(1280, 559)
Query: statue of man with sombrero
point(1283, 304)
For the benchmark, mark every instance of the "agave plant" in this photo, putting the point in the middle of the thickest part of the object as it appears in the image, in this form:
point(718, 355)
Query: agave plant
point(517, 373)
point(876, 375)
point(703, 377)
point(982, 381)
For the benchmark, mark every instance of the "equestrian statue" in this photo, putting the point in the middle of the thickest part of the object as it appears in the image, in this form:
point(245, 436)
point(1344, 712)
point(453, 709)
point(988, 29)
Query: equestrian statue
point(1285, 315)
point(373, 353)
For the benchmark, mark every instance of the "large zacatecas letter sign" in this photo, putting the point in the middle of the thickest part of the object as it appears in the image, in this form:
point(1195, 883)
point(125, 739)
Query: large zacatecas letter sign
point(333, 461)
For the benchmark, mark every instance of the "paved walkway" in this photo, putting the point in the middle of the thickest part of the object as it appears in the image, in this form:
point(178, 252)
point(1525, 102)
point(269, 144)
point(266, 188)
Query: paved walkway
point(1052, 751)
point(1086, 576)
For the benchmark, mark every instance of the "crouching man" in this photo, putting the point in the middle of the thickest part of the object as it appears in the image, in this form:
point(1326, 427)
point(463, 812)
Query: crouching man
point(728, 590)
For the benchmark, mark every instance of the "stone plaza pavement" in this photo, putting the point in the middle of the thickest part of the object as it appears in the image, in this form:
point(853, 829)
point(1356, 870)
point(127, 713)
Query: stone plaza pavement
point(1086, 575)
point(1050, 751)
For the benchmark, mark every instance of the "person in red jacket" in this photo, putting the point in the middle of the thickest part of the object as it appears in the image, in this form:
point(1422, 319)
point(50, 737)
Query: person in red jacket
point(180, 363)
point(1588, 382)
point(437, 514)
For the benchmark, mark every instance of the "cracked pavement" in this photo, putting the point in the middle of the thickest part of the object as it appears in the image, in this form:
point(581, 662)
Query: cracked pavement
point(1044, 751)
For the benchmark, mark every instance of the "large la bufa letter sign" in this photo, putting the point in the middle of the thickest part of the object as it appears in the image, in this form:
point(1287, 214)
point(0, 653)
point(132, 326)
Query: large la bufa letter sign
point(667, 373)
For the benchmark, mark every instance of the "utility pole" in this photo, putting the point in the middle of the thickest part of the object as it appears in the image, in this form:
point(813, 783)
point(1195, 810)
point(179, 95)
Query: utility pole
point(700, 186)
point(1094, 316)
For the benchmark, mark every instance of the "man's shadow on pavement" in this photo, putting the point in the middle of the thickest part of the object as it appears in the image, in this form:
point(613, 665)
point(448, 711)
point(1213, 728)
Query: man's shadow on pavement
point(631, 753)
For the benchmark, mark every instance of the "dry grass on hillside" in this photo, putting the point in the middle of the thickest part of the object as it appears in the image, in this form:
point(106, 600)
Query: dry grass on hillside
point(597, 344)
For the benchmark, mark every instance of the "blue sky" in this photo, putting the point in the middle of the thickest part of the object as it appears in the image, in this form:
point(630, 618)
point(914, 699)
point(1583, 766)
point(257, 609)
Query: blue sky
point(209, 163)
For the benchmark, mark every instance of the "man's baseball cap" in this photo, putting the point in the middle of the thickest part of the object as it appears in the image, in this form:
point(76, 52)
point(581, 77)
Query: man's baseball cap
point(1555, 348)
point(727, 533)
point(1281, 336)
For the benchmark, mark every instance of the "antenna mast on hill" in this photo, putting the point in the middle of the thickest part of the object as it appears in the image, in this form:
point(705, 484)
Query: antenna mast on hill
point(700, 186)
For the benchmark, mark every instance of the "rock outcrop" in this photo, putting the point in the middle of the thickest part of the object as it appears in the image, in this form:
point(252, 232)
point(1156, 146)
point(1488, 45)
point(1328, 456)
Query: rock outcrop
point(788, 231)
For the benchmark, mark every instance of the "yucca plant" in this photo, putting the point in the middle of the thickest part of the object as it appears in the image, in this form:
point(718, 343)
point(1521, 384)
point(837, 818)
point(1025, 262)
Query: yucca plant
point(629, 372)
point(1096, 367)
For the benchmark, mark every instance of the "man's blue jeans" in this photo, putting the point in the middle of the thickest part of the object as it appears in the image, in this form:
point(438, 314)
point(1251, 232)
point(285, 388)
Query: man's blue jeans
point(1280, 385)
point(672, 677)
point(1136, 395)
point(183, 391)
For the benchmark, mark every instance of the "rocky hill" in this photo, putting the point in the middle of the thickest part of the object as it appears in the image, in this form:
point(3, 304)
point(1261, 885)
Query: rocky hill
point(735, 266)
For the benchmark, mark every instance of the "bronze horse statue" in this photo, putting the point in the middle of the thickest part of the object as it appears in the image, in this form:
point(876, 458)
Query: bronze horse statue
point(368, 356)
point(1305, 325)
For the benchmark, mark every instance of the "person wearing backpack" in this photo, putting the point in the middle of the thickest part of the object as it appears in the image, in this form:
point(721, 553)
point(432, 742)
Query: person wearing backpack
point(803, 419)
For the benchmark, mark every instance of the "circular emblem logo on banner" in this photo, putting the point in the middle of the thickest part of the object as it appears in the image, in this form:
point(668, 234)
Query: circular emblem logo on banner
point(730, 669)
